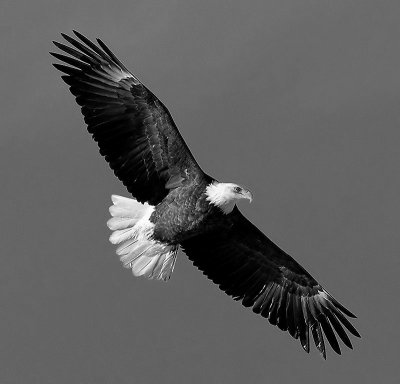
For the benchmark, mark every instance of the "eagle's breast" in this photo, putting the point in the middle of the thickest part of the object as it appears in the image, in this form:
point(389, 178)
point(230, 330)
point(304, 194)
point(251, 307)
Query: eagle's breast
point(183, 213)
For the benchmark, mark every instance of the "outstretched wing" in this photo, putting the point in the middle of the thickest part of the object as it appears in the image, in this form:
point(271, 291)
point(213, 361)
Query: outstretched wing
point(134, 130)
point(250, 267)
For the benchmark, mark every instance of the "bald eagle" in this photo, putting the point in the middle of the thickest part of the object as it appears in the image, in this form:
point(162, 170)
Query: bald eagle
point(176, 205)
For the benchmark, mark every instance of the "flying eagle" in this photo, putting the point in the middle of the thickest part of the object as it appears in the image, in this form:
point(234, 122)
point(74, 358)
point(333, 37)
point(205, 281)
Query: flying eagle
point(176, 205)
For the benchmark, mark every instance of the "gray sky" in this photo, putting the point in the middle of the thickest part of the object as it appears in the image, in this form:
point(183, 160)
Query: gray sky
point(298, 100)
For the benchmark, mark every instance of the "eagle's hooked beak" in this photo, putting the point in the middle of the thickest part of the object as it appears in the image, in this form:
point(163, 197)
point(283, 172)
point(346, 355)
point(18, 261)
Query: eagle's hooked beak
point(247, 195)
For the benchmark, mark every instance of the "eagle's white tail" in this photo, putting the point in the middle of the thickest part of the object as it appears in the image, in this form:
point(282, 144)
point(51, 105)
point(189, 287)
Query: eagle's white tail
point(133, 230)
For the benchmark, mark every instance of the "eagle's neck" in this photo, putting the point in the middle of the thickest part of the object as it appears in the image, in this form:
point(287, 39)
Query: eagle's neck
point(220, 195)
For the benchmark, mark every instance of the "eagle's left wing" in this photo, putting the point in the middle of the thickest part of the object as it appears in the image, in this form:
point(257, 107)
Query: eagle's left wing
point(134, 130)
point(250, 267)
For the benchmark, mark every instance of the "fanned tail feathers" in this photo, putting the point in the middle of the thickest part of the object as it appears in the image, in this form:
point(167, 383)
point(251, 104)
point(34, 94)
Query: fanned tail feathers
point(133, 230)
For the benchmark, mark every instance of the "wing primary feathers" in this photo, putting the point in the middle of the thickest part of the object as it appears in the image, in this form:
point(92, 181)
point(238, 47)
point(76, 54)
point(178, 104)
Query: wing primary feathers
point(326, 326)
point(70, 60)
point(73, 52)
point(330, 335)
point(338, 328)
point(340, 306)
point(84, 49)
point(112, 56)
point(343, 320)
point(91, 45)
point(68, 70)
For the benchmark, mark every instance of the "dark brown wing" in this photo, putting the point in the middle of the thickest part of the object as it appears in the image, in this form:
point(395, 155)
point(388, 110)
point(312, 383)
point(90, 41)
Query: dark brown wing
point(251, 268)
point(134, 130)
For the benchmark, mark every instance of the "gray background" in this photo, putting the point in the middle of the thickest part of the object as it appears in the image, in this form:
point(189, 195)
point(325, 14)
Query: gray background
point(298, 100)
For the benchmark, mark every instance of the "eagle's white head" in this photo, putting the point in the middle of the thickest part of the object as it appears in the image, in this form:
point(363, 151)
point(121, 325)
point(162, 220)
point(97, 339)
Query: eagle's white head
point(225, 195)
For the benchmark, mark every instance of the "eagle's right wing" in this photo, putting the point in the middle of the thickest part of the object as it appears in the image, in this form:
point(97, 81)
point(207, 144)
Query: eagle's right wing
point(134, 130)
point(251, 268)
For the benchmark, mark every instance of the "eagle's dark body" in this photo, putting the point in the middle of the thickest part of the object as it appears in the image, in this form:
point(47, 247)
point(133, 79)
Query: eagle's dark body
point(177, 205)
point(184, 213)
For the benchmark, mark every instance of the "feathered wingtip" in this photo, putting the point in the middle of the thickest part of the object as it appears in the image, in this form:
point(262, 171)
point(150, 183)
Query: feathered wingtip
point(83, 55)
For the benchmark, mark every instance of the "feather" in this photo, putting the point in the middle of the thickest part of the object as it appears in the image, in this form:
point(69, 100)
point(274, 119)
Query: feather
point(338, 328)
point(282, 319)
point(318, 338)
point(291, 315)
point(68, 70)
point(96, 59)
point(268, 300)
point(70, 61)
point(109, 53)
point(132, 229)
point(90, 45)
point(345, 322)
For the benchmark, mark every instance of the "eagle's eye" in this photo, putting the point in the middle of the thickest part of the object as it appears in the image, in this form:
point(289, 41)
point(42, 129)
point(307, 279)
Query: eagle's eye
point(237, 189)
